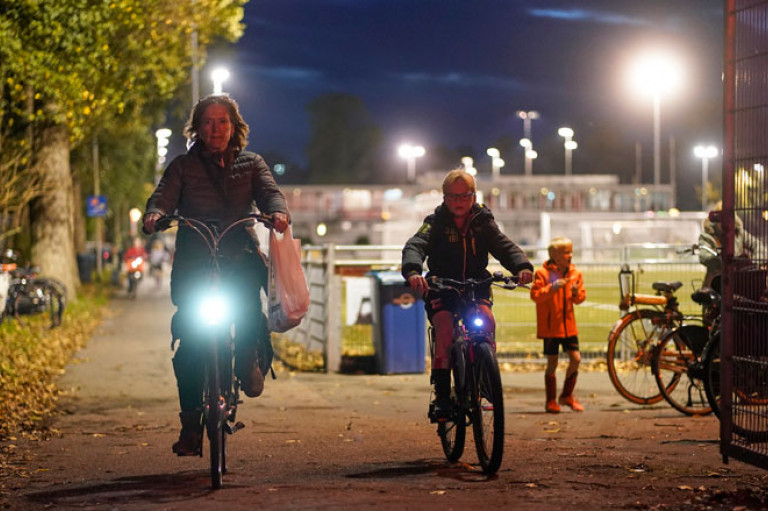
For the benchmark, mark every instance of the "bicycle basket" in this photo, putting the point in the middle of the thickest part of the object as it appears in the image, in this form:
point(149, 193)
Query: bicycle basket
point(626, 286)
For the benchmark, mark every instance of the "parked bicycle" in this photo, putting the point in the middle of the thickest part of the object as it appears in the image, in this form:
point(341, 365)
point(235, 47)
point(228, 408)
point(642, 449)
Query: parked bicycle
point(749, 388)
point(29, 294)
point(221, 388)
point(476, 382)
point(646, 321)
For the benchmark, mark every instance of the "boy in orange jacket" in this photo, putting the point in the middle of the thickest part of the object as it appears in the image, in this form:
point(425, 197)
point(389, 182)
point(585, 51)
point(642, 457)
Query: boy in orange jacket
point(557, 287)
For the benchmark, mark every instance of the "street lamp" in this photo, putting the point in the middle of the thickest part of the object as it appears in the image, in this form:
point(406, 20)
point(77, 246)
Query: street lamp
point(656, 74)
point(162, 135)
point(705, 153)
point(469, 165)
point(570, 145)
point(496, 161)
point(410, 153)
point(530, 155)
point(219, 76)
point(134, 215)
point(527, 117)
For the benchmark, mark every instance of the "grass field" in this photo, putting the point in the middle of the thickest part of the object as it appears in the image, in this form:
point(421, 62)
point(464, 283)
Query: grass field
point(516, 313)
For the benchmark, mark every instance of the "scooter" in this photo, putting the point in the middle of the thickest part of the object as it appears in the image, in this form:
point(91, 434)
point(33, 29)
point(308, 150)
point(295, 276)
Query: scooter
point(135, 274)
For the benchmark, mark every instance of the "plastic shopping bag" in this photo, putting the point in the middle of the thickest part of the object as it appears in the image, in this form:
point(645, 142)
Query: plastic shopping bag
point(288, 298)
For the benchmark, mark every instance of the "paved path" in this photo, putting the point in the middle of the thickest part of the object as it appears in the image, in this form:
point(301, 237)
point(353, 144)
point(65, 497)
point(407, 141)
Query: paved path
point(317, 441)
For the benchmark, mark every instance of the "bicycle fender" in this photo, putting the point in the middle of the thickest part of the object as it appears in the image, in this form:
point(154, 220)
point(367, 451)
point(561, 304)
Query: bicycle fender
point(615, 327)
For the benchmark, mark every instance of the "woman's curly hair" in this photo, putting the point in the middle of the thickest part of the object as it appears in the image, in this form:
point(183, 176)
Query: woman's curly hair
point(239, 138)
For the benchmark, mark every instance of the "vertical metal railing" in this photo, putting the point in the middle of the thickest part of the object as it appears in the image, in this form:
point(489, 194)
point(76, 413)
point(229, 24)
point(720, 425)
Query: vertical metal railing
point(744, 364)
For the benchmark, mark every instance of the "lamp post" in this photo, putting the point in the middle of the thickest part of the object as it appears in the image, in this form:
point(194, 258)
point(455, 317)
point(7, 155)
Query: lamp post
point(656, 74)
point(410, 153)
point(527, 117)
point(162, 135)
point(219, 76)
point(570, 145)
point(530, 155)
point(705, 153)
point(469, 165)
point(496, 162)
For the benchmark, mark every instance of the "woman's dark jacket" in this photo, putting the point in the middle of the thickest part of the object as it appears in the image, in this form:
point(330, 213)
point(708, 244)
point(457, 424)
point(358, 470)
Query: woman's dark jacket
point(194, 185)
point(461, 254)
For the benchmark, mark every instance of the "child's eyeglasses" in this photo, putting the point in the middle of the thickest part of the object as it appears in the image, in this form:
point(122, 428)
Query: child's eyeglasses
point(459, 196)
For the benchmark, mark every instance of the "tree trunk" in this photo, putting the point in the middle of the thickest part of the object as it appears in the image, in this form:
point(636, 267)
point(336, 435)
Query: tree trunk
point(51, 214)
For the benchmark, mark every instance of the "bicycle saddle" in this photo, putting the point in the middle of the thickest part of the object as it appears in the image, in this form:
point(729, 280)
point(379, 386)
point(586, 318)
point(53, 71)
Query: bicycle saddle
point(667, 287)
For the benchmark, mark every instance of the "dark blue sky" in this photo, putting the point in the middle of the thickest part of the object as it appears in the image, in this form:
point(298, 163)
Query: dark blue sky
point(453, 72)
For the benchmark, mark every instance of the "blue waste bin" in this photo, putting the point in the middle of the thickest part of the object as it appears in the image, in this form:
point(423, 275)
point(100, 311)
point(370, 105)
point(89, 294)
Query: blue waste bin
point(399, 325)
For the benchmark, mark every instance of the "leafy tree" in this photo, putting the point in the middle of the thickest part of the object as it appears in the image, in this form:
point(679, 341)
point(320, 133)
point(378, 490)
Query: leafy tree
point(343, 140)
point(72, 66)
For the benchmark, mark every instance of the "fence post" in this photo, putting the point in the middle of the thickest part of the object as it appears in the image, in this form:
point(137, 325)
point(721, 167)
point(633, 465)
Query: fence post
point(332, 324)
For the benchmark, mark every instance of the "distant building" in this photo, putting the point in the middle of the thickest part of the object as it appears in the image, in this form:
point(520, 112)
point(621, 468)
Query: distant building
point(594, 210)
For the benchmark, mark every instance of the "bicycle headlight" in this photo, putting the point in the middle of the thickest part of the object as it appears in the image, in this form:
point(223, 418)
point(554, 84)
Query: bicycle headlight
point(478, 322)
point(214, 310)
point(137, 262)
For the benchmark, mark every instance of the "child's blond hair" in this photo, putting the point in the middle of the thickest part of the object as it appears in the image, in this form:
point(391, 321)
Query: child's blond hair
point(457, 174)
point(558, 243)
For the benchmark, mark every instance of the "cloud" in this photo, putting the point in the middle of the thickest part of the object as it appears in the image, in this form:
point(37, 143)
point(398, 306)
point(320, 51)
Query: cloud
point(459, 79)
point(605, 18)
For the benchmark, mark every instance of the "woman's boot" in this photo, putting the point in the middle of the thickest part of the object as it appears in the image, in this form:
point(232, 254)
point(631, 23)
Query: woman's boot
point(191, 435)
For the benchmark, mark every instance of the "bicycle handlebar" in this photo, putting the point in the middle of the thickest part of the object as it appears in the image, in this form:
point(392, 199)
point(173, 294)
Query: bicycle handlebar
point(497, 279)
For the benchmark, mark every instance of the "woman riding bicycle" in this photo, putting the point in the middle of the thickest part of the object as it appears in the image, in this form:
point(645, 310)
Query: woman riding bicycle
point(216, 181)
point(455, 241)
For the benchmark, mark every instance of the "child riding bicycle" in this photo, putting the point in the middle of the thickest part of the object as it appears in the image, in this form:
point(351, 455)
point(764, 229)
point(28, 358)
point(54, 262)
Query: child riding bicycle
point(455, 240)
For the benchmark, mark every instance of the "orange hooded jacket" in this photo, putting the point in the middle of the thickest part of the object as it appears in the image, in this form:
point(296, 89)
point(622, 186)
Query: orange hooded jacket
point(554, 307)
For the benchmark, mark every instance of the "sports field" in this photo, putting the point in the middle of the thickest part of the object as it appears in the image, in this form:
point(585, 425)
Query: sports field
point(516, 313)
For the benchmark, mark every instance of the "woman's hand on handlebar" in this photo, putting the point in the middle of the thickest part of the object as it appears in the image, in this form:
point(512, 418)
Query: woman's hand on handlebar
point(280, 221)
point(418, 283)
point(150, 219)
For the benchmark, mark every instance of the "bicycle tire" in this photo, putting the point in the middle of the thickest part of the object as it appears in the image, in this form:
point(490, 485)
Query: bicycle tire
point(674, 361)
point(487, 409)
point(55, 303)
point(712, 373)
point(629, 355)
point(453, 431)
point(214, 422)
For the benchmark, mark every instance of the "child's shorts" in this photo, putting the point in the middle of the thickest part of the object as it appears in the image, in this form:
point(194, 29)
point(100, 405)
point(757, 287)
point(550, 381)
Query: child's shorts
point(552, 344)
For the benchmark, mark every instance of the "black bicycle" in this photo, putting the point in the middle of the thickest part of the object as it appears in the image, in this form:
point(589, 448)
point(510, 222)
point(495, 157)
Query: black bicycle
point(29, 294)
point(476, 395)
point(221, 388)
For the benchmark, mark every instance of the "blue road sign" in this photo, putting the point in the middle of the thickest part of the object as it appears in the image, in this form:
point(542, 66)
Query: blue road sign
point(96, 205)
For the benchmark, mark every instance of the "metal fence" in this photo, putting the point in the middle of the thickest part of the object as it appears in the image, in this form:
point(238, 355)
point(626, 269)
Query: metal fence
point(744, 360)
point(338, 326)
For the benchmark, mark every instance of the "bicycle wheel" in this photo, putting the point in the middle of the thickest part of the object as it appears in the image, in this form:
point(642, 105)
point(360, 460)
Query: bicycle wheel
point(214, 405)
point(712, 373)
point(54, 300)
point(453, 432)
point(679, 373)
point(628, 356)
point(488, 410)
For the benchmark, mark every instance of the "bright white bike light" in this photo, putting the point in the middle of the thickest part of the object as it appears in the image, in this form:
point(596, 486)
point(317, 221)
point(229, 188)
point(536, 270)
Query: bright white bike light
point(478, 322)
point(214, 310)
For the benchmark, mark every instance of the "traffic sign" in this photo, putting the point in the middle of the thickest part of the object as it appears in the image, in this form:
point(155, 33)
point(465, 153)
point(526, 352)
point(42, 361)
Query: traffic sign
point(96, 205)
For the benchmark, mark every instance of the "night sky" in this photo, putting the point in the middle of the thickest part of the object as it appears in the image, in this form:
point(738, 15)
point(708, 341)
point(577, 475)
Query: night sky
point(454, 72)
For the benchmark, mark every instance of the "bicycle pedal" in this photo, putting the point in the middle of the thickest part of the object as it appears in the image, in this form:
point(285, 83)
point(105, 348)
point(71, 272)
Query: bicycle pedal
point(231, 429)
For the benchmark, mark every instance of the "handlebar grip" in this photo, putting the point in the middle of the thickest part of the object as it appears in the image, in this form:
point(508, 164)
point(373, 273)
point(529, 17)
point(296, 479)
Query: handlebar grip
point(163, 223)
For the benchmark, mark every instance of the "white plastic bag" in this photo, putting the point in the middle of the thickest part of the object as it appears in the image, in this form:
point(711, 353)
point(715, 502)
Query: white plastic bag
point(288, 298)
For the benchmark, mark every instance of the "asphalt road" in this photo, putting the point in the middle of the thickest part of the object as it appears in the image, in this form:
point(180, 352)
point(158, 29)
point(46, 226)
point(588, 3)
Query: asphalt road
point(317, 441)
